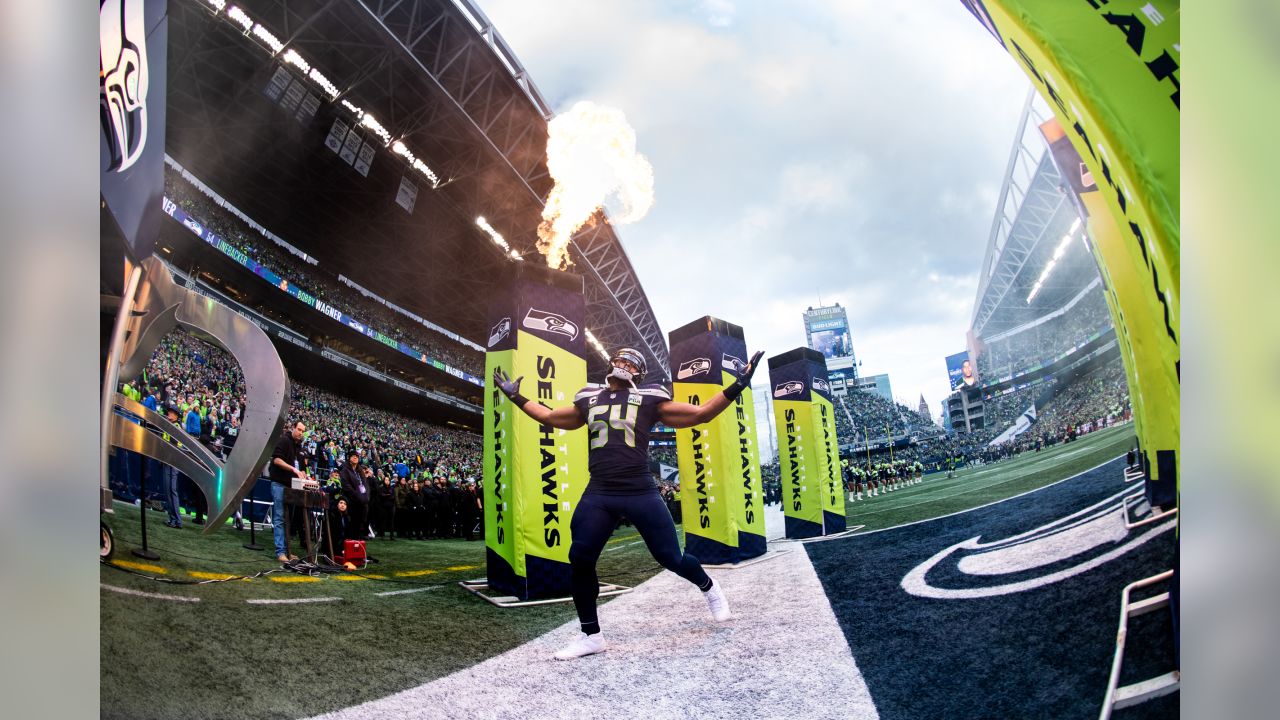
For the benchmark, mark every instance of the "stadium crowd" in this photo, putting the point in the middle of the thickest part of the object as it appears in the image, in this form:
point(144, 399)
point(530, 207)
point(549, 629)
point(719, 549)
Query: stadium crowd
point(318, 282)
point(1065, 410)
point(865, 413)
point(425, 477)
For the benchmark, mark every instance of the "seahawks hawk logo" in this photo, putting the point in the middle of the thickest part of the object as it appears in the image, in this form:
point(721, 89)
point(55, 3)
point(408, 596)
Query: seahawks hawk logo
point(697, 366)
point(499, 331)
point(549, 322)
point(791, 387)
point(733, 364)
point(1063, 548)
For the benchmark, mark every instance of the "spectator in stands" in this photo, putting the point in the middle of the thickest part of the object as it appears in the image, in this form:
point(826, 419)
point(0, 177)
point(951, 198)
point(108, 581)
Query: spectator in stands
point(404, 509)
point(384, 508)
point(369, 310)
point(169, 481)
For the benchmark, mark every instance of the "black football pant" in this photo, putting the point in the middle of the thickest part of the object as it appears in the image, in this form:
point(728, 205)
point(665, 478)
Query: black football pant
point(594, 521)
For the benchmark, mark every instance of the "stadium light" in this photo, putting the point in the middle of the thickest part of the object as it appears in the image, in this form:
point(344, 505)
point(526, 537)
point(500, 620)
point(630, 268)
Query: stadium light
point(240, 17)
point(591, 338)
point(323, 82)
point(1058, 252)
point(497, 238)
point(292, 57)
point(372, 123)
point(267, 37)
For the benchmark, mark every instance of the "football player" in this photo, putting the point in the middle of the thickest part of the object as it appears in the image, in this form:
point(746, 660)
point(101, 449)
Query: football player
point(619, 416)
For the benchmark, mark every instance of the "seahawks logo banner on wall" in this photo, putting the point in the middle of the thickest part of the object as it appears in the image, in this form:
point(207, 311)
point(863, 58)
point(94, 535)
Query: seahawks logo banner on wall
point(812, 495)
point(133, 38)
point(534, 474)
point(720, 490)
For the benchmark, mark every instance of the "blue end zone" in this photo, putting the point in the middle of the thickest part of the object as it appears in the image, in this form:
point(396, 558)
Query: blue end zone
point(832, 523)
point(751, 545)
point(797, 528)
point(1002, 622)
point(709, 551)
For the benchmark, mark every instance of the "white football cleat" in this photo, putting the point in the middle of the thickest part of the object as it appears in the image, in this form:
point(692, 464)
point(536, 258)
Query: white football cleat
point(718, 603)
point(584, 645)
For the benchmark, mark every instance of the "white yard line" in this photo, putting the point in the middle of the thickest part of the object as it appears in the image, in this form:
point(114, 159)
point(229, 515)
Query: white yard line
point(408, 591)
point(619, 547)
point(290, 601)
point(154, 596)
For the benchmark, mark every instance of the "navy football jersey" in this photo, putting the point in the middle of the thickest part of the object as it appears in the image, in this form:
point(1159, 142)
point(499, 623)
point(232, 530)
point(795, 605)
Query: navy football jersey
point(618, 425)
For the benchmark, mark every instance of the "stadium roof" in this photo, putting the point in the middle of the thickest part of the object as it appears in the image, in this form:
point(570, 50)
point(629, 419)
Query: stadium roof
point(1033, 216)
point(439, 79)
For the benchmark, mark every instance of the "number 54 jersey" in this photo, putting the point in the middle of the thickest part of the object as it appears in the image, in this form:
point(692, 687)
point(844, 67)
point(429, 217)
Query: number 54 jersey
point(618, 423)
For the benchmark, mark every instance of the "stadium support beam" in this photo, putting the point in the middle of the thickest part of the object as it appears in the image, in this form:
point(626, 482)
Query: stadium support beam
point(462, 54)
point(1030, 199)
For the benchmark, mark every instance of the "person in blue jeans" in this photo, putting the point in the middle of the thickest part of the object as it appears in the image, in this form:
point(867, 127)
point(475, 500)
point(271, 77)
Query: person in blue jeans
point(286, 464)
point(168, 480)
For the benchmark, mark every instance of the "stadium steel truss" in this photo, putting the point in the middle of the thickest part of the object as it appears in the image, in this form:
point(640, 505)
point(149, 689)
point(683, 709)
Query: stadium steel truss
point(439, 78)
point(1031, 203)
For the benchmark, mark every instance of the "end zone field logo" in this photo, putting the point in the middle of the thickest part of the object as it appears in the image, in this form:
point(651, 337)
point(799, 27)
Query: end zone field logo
point(550, 322)
point(697, 366)
point(499, 331)
point(1053, 552)
point(791, 387)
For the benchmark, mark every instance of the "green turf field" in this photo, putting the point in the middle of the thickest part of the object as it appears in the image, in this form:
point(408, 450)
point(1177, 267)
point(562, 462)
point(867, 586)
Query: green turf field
point(223, 657)
point(971, 487)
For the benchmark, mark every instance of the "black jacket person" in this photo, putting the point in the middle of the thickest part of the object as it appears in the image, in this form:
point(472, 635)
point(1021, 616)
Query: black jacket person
point(356, 489)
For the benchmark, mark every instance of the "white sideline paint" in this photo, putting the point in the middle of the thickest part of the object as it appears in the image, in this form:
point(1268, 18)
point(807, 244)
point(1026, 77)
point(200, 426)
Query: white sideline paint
point(154, 596)
point(410, 590)
point(782, 656)
point(290, 601)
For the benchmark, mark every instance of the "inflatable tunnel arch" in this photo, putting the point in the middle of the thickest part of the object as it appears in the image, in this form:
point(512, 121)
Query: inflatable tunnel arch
point(1108, 69)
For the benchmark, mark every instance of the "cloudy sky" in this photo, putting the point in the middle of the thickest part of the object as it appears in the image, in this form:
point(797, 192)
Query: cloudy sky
point(836, 150)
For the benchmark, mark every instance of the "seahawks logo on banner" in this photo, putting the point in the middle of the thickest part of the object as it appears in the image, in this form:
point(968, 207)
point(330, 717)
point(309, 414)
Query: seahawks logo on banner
point(500, 331)
point(733, 364)
point(820, 384)
point(550, 322)
point(791, 387)
point(1055, 551)
point(122, 43)
point(697, 366)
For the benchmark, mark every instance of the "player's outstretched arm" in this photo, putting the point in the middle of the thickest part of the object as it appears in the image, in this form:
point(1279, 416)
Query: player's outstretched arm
point(683, 415)
point(565, 418)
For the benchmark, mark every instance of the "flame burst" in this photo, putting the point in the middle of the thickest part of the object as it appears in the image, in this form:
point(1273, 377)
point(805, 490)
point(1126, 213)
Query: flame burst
point(591, 155)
